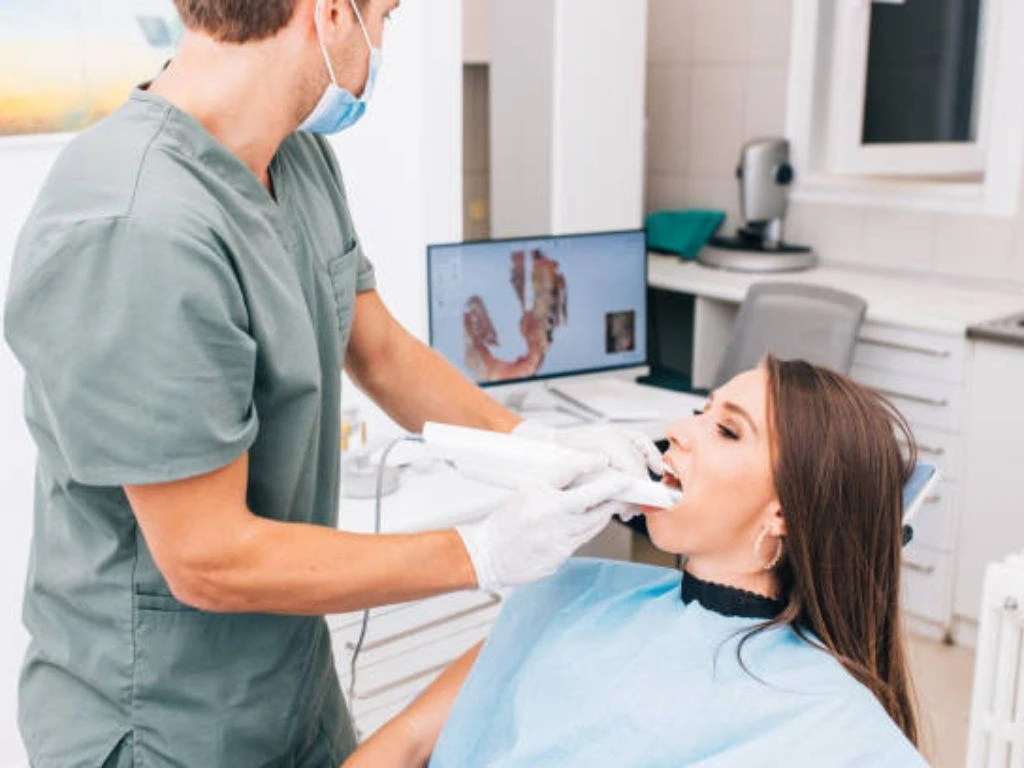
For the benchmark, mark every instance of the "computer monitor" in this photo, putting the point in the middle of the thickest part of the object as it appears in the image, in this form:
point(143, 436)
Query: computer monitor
point(539, 307)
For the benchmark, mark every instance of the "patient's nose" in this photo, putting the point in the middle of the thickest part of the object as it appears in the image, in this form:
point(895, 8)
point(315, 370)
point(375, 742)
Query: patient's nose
point(678, 434)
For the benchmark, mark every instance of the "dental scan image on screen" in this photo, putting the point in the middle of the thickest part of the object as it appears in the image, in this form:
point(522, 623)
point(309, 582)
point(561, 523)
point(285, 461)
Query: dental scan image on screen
point(520, 309)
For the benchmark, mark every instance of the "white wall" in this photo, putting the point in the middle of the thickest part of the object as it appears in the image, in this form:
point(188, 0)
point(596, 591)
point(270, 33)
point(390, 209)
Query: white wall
point(567, 106)
point(402, 165)
point(716, 76)
point(522, 93)
point(476, 31)
point(598, 113)
point(23, 167)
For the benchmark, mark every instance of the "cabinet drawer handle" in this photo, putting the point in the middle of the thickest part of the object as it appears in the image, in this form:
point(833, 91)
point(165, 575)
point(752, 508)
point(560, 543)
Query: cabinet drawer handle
point(938, 402)
point(374, 692)
point(440, 620)
point(933, 498)
point(910, 565)
point(931, 450)
point(930, 351)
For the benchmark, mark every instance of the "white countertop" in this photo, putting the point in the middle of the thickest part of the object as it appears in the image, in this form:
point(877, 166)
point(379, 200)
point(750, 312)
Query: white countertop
point(905, 301)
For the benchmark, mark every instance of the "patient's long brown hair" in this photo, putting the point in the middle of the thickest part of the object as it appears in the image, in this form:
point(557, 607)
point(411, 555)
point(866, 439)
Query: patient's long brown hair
point(839, 472)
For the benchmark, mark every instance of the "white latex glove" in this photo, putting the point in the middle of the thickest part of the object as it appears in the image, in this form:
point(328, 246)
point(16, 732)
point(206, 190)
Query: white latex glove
point(626, 450)
point(538, 528)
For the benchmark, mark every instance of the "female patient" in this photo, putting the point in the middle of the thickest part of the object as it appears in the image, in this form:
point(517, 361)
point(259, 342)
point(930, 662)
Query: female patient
point(781, 644)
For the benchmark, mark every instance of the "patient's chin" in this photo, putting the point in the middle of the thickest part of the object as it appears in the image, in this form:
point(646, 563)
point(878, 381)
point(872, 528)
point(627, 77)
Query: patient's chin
point(655, 530)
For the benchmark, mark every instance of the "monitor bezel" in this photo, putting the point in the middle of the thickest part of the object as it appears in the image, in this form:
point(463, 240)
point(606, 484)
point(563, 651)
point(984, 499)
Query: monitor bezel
point(544, 376)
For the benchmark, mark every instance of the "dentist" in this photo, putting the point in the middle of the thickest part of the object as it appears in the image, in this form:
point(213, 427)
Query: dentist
point(184, 295)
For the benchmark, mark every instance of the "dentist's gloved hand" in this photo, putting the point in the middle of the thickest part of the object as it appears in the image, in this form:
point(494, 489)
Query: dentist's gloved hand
point(628, 451)
point(539, 527)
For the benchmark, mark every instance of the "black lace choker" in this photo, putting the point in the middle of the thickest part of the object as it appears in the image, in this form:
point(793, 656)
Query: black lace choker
point(729, 601)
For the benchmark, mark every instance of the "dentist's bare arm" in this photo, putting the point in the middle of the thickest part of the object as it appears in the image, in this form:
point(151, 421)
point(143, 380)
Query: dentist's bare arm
point(409, 739)
point(409, 380)
point(216, 555)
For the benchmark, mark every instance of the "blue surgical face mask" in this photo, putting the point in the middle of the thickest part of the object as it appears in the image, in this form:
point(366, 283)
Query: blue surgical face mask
point(338, 109)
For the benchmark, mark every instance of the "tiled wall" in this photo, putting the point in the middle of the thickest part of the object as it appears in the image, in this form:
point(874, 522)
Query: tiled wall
point(716, 76)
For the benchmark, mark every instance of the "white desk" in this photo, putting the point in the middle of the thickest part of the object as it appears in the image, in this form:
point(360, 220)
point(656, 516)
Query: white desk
point(914, 302)
point(408, 645)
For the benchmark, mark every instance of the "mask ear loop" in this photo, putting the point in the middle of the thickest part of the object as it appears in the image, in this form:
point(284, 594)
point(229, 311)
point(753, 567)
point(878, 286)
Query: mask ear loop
point(320, 39)
point(362, 26)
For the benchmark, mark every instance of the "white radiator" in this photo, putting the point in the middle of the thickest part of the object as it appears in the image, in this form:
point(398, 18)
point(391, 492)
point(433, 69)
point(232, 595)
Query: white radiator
point(996, 736)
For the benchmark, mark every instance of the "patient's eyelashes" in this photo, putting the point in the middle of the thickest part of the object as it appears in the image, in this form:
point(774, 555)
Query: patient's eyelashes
point(723, 430)
point(727, 433)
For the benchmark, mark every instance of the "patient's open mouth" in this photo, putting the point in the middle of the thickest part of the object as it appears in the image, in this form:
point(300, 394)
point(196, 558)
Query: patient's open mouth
point(670, 478)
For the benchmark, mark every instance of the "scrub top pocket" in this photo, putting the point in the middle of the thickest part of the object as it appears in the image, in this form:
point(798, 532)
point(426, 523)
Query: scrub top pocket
point(342, 270)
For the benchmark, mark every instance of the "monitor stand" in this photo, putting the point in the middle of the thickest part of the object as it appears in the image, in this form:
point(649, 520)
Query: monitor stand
point(666, 378)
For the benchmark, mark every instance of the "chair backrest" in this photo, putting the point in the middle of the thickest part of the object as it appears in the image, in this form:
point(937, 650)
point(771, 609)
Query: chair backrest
point(792, 320)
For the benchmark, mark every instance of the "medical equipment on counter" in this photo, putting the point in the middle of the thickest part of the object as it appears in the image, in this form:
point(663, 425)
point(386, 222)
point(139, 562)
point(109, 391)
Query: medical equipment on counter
point(510, 460)
point(361, 476)
point(764, 174)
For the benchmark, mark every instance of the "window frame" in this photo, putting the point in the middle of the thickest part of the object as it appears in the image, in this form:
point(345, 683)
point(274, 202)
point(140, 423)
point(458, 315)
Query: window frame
point(832, 164)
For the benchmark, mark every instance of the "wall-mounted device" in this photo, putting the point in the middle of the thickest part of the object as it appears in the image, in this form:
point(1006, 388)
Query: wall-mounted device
point(764, 175)
point(508, 460)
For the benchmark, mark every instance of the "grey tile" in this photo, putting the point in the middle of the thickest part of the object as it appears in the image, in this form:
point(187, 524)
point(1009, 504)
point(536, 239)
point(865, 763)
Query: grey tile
point(668, 118)
point(716, 119)
point(669, 31)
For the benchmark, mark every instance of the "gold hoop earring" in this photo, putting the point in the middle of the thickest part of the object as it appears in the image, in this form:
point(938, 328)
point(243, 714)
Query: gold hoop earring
point(759, 542)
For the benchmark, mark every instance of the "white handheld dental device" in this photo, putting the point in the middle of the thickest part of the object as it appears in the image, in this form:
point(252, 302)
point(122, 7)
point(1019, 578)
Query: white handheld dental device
point(508, 459)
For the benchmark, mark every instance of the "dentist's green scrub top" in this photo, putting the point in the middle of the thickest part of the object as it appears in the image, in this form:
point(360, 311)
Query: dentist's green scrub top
point(170, 316)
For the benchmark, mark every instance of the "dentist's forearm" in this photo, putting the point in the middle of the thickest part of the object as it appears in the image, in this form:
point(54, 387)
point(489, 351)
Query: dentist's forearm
point(410, 381)
point(216, 555)
point(442, 393)
point(299, 569)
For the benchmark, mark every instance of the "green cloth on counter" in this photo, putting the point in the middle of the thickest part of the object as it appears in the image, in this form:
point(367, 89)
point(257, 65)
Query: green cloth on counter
point(682, 232)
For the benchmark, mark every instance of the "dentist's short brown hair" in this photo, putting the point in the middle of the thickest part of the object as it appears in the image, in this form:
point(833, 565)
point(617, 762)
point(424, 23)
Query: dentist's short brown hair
point(238, 21)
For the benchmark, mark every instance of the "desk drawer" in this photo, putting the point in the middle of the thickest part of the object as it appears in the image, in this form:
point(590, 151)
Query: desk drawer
point(924, 402)
point(935, 522)
point(927, 583)
point(398, 652)
point(939, 448)
point(389, 677)
point(391, 619)
point(929, 355)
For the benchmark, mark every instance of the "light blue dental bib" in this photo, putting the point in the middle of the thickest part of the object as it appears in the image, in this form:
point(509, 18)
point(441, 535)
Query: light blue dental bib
point(603, 664)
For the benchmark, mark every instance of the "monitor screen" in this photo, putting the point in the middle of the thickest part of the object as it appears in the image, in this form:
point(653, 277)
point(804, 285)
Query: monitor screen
point(508, 310)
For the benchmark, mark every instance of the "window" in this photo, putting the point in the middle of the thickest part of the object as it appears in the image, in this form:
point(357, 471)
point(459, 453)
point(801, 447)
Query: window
point(909, 100)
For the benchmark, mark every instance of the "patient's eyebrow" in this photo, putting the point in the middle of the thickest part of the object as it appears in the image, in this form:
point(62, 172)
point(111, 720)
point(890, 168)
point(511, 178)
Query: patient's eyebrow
point(731, 406)
point(737, 409)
